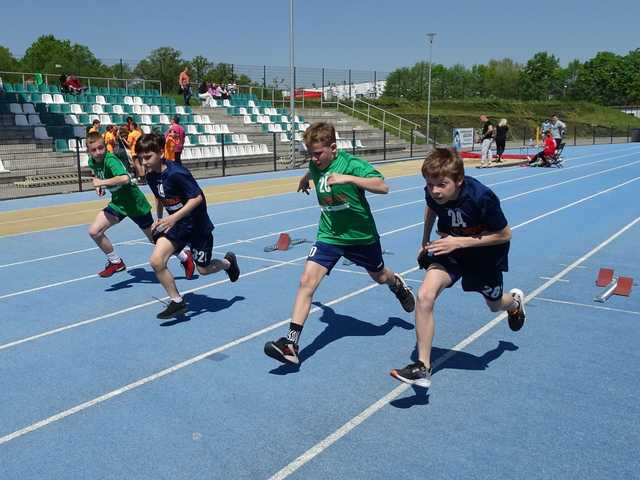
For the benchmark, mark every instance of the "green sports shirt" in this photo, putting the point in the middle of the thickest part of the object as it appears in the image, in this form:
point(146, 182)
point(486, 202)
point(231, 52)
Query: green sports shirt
point(126, 199)
point(346, 217)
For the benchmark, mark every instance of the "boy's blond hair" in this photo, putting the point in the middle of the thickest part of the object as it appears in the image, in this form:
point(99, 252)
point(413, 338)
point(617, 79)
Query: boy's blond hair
point(443, 162)
point(94, 137)
point(320, 132)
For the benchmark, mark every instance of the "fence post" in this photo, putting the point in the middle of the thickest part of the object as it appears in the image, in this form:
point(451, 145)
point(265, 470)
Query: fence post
point(375, 84)
point(611, 133)
point(78, 164)
point(224, 163)
point(411, 144)
point(322, 91)
point(384, 143)
point(575, 135)
point(349, 83)
point(524, 136)
point(628, 133)
point(593, 127)
point(275, 155)
point(264, 75)
point(353, 140)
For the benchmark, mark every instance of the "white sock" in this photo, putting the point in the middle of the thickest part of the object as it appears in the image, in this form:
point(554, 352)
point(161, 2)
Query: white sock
point(182, 256)
point(177, 299)
point(113, 257)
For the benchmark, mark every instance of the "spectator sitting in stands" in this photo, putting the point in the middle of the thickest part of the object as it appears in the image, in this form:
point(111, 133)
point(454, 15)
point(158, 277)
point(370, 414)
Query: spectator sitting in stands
point(232, 88)
point(74, 85)
point(216, 91)
point(63, 84)
point(95, 126)
point(204, 94)
point(109, 138)
point(225, 93)
point(543, 156)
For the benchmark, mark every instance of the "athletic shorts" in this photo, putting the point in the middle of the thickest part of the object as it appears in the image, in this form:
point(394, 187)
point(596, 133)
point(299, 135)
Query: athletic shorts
point(487, 282)
point(368, 257)
point(143, 221)
point(201, 244)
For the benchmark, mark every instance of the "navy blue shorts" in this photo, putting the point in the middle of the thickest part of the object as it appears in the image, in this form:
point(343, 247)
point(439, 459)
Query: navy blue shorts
point(201, 244)
point(368, 257)
point(488, 282)
point(143, 221)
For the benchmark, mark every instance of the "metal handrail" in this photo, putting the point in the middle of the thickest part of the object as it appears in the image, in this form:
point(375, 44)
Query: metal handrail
point(384, 124)
point(88, 79)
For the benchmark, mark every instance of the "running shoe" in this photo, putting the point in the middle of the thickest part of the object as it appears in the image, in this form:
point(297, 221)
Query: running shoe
point(413, 374)
point(283, 350)
point(172, 310)
point(188, 265)
point(234, 270)
point(112, 268)
point(404, 294)
point(517, 316)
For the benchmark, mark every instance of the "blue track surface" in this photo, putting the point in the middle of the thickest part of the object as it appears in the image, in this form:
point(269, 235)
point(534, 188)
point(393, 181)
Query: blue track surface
point(93, 386)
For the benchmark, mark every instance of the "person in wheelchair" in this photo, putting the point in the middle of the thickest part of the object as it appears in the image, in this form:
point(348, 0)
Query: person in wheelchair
point(545, 157)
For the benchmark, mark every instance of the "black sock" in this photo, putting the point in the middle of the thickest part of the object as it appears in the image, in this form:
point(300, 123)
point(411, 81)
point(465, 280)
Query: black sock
point(294, 332)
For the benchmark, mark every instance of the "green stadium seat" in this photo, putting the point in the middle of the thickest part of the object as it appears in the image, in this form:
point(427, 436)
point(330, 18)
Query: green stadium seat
point(117, 119)
point(36, 98)
point(65, 108)
point(61, 145)
point(193, 139)
point(53, 108)
point(136, 118)
point(84, 119)
point(107, 109)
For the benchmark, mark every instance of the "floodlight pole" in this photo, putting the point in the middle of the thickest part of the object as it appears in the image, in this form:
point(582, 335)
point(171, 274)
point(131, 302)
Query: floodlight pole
point(430, 37)
point(292, 101)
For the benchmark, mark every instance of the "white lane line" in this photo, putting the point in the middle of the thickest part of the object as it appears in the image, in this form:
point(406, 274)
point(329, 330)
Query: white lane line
point(284, 212)
point(302, 227)
point(319, 447)
point(586, 305)
point(564, 280)
point(346, 428)
point(167, 371)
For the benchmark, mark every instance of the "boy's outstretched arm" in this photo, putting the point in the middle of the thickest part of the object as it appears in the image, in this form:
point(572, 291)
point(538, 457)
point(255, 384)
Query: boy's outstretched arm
point(111, 182)
point(429, 220)
point(370, 184)
point(303, 184)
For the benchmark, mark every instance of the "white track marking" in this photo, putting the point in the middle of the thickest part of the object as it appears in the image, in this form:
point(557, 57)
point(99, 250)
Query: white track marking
point(587, 305)
point(284, 212)
point(319, 447)
point(564, 280)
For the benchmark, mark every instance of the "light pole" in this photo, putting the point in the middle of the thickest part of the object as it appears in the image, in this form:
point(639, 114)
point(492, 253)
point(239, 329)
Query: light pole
point(430, 37)
point(292, 101)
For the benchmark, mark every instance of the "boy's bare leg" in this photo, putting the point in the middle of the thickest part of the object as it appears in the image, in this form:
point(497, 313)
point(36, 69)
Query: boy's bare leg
point(397, 286)
point(435, 281)
point(504, 303)
point(98, 228)
point(159, 258)
point(214, 267)
point(309, 281)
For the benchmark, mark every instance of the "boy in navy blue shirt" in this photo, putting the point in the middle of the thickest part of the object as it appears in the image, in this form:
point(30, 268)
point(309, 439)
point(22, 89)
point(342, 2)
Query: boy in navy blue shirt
point(188, 222)
point(473, 246)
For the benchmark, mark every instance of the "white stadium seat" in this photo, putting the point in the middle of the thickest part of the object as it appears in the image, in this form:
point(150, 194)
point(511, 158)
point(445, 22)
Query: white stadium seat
point(145, 109)
point(77, 109)
point(118, 110)
point(15, 108)
point(97, 109)
point(145, 128)
point(57, 98)
point(128, 100)
point(71, 119)
point(21, 121)
point(28, 108)
point(155, 110)
point(34, 120)
point(137, 101)
point(100, 99)
point(47, 98)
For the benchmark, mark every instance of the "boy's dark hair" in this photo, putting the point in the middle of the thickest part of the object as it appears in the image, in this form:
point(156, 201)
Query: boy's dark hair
point(443, 162)
point(134, 125)
point(95, 121)
point(176, 119)
point(150, 142)
point(93, 137)
point(320, 132)
point(129, 119)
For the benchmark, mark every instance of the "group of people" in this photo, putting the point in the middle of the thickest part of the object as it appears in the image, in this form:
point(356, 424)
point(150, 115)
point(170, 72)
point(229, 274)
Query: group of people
point(553, 130)
point(206, 91)
point(473, 243)
point(121, 141)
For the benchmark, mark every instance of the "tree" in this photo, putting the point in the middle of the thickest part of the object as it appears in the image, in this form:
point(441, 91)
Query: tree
point(606, 79)
point(542, 78)
point(50, 55)
point(164, 64)
point(8, 63)
point(200, 67)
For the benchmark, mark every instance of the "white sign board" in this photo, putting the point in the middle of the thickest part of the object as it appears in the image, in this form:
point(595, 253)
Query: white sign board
point(463, 138)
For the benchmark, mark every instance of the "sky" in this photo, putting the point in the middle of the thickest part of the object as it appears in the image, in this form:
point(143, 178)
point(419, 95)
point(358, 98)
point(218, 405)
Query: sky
point(357, 34)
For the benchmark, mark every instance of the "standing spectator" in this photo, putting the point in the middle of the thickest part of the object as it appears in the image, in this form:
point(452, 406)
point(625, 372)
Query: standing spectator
point(95, 126)
point(109, 138)
point(558, 129)
point(170, 145)
point(501, 138)
point(487, 140)
point(132, 139)
point(179, 146)
point(185, 86)
point(129, 124)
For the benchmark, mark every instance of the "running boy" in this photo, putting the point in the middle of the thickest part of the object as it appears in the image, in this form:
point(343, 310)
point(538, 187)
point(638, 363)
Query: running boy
point(126, 201)
point(187, 222)
point(474, 247)
point(346, 229)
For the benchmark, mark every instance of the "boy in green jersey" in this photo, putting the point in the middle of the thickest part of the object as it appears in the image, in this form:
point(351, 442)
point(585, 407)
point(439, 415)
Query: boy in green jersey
point(127, 200)
point(346, 229)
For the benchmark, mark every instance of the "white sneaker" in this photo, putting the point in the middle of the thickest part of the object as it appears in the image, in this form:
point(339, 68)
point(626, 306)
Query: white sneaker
point(517, 317)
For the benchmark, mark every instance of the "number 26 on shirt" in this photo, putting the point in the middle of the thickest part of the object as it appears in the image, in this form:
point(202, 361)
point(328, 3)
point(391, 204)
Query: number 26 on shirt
point(322, 185)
